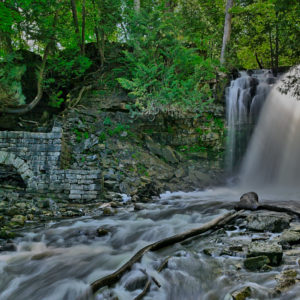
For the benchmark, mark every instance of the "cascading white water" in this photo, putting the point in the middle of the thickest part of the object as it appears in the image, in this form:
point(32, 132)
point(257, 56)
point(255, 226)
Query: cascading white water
point(272, 158)
point(244, 100)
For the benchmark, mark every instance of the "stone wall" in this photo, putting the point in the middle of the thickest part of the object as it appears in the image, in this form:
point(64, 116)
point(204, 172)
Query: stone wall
point(37, 158)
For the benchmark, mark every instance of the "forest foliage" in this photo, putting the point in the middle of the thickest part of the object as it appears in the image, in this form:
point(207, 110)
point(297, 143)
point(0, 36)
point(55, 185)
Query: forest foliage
point(162, 52)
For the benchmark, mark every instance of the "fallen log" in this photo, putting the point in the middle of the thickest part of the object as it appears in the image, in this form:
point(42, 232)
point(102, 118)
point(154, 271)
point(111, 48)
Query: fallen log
point(113, 278)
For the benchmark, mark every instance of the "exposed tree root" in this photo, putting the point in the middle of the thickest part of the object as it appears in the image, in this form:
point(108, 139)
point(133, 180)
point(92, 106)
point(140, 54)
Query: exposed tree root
point(74, 103)
point(115, 276)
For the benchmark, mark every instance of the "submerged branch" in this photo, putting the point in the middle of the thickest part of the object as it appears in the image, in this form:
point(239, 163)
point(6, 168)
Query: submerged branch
point(148, 283)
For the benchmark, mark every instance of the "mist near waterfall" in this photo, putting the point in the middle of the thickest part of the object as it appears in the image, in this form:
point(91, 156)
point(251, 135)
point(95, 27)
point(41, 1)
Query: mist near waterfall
point(272, 158)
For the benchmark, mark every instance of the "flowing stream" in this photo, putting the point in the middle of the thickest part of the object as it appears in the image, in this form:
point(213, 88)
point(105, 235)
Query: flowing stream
point(57, 261)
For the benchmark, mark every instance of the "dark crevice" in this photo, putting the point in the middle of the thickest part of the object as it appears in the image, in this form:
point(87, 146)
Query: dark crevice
point(10, 176)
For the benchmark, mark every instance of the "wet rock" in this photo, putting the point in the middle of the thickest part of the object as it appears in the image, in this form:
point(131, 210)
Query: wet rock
point(6, 234)
point(102, 232)
point(138, 206)
point(285, 280)
point(268, 221)
point(147, 191)
point(209, 251)
point(292, 252)
point(108, 211)
point(248, 201)
point(242, 294)
point(270, 249)
point(290, 236)
point(18, 220)
point(8, 247)
point(256, 263)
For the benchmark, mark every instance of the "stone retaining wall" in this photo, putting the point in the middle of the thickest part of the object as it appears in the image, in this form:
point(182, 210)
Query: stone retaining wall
point(37, 158)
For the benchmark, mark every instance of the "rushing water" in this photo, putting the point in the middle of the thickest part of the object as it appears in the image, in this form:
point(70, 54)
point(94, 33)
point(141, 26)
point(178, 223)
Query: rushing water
point(244, 100)
point(58, 261)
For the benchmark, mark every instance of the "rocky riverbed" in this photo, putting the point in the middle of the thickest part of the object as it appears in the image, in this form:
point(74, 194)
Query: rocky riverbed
point(255, 256)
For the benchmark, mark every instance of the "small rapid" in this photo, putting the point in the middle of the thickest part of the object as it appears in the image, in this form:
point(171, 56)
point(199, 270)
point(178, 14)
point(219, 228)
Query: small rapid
point(59, 260)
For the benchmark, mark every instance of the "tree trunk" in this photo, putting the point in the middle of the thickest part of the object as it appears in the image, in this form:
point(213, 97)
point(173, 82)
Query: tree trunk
point(227, 29)
point(258, 62)
point(23, 109)
point(275, 71)
point(102, 48)
point(137, 5)
point(76, 24)
point(83, 29)
point(271, 48)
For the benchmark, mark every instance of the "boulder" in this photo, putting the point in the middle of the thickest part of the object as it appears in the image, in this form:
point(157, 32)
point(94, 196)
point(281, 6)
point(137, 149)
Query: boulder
point(291, 236)
point(242, 294)
point(268, 221)
point(166, 152)
point(248, 201)
point(272, 250)
point(169, 155)
point(285, 280)
point(18, 220)
point(256, 263)
point(101, 231)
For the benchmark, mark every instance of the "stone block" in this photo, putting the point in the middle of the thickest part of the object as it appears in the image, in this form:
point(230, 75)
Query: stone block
point(92, 187)
point(3, 156)
point(3, 134)
point(89, 197)
point(18, 162)
point(56, 129)
point(270, 249)
point(10, 159)
point(74, 197)
point(77, 192)
point(77, 187)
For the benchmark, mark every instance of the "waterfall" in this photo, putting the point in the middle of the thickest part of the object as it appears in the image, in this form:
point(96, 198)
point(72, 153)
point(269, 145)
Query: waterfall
point(272, 158)
point(244, 100)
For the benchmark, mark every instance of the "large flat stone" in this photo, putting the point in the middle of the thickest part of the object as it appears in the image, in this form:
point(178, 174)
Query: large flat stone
point(263, 248)
point(268, 221)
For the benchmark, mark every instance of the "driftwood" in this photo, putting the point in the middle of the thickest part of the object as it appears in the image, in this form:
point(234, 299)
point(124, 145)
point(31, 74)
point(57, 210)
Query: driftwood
point(115, 276)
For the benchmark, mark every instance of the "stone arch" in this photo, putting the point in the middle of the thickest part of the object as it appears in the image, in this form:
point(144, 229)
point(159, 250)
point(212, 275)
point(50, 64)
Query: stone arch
point(20, 165)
